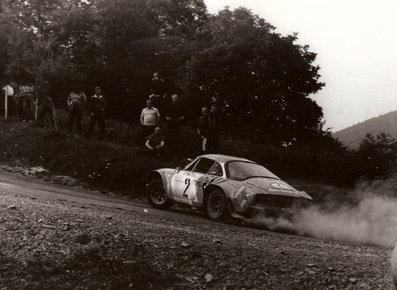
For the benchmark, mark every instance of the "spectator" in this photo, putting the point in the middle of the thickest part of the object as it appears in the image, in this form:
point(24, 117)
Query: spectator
point(9, 92)
point(174, 117)
point(155, 143)
point(203, 128)
point(76, 103)
point(158, 91)
point(214, 130)
point(25, 102)
point(150, 118)
point(46, 111)
point(97, 110)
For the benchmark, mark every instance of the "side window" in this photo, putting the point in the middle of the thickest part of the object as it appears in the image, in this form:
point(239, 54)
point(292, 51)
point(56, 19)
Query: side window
point(203, 166)
point(191, 166)
point(216, 170)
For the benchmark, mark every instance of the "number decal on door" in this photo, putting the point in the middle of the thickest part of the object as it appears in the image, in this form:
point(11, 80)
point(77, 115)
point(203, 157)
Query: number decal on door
point(187, 183)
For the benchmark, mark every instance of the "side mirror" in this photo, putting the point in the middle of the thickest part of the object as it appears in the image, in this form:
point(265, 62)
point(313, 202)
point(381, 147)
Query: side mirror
point(177, 169)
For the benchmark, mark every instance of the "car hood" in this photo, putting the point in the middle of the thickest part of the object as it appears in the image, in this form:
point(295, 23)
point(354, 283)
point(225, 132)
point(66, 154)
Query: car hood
point(260, 185)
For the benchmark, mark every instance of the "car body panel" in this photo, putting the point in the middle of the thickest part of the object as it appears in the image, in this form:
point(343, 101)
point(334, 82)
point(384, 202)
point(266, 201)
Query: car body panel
point(258, 193)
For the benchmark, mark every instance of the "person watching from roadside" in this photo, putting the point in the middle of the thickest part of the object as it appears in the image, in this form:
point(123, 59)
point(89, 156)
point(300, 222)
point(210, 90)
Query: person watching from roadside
point(203, 128)
point(149, 119)
point(214, 130)
point(76, 102)
point(155, 142)
point(174, 117)
point(46, 111)
point(97, 110)
point(9, 92)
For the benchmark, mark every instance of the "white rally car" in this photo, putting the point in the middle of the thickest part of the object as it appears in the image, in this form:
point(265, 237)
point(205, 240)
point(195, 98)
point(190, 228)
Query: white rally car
point(223, 185)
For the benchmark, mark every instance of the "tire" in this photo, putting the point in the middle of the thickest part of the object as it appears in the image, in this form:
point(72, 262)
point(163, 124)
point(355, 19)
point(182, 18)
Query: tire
point(216, 206)
point(157, 196)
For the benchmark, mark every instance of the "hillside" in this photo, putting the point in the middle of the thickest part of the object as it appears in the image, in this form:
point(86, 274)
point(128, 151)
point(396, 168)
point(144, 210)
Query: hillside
point(353, 135)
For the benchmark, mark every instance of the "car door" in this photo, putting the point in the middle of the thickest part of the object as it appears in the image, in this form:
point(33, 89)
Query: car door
point(213, 173)
point(180, 180)
point(194, 180)
point(198, 177)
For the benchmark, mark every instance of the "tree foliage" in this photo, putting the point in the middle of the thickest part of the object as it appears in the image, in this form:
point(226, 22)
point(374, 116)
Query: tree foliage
point(377, 155)
point(260, 79)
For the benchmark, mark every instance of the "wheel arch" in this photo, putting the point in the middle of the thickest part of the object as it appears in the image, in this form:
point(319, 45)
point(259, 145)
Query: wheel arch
point(154, 175)
point(162, 175)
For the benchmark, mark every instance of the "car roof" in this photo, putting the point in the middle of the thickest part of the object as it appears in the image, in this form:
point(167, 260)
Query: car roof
point(224, 158)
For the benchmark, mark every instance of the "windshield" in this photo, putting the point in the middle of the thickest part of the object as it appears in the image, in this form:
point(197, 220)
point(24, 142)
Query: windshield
point(239, 170)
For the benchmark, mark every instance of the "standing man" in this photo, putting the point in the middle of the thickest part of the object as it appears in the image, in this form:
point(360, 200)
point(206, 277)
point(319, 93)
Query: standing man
point(203, 126)
point(158, 91)
point(150, 117)
point(214, 130)
point(8, 100)
point(76, 103)
point(174, 117)
point(46, 111)
point(97, 110)
point(44, 105)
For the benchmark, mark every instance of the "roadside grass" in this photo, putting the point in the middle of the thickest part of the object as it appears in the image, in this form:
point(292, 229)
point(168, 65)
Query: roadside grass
point(119, 164)
point(110, 165)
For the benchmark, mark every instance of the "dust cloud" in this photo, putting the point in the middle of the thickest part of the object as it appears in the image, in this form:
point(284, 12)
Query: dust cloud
point(369, 218)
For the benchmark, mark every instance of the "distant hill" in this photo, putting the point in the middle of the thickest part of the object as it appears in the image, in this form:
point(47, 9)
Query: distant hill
point(353, 135)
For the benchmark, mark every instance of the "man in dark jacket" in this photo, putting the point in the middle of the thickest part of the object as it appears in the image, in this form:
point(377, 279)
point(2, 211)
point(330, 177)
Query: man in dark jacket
point(76, 103)
point(47, 110)
point(97, 110)
point(174, 117)
point(203, 128)
point(214, 130)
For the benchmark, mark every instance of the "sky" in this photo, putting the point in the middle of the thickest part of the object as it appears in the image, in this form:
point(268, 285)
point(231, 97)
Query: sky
point(356, 43)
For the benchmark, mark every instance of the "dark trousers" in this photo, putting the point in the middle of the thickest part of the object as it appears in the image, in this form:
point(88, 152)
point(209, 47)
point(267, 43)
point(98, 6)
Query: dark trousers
point(75, 116)
point(11, 106)
point(24, 109)
point(213, 142)
point(100, 118)
point(173, 130)
point(46, 113)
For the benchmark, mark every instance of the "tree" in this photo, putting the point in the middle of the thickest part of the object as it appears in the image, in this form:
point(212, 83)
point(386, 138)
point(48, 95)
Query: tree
point(261, 79)
point(376, 156)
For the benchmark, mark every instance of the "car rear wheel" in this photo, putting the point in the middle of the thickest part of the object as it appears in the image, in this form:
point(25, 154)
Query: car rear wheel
point(216, 206)
point(157, 196)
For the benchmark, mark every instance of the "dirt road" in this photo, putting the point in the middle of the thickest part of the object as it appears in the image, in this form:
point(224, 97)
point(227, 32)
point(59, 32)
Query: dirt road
point(53, 237)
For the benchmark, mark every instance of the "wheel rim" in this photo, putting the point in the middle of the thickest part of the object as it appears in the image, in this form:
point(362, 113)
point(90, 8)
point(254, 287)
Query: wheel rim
point(158, 195)
point(216, 205)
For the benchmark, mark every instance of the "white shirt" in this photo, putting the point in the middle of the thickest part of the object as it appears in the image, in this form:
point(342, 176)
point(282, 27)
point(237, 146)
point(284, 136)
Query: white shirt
point(9, 90)
point(150, 116)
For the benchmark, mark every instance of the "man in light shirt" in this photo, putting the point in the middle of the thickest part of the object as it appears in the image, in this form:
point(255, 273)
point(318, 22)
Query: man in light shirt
point(150, 117)
point(9, 95)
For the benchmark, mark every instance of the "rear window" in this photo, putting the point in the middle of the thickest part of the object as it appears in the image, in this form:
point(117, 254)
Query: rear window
point(239, 170)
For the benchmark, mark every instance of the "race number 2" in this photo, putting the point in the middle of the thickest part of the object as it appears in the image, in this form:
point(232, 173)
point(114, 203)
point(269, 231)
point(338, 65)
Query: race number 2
point(187, 183)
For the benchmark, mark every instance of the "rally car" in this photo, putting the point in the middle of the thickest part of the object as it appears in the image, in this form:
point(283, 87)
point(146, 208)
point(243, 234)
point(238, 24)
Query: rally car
point(222, 186)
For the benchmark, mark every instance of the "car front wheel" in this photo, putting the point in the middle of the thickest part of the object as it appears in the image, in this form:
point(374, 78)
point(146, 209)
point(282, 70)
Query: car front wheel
point(157, 196)
point(216, 206)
